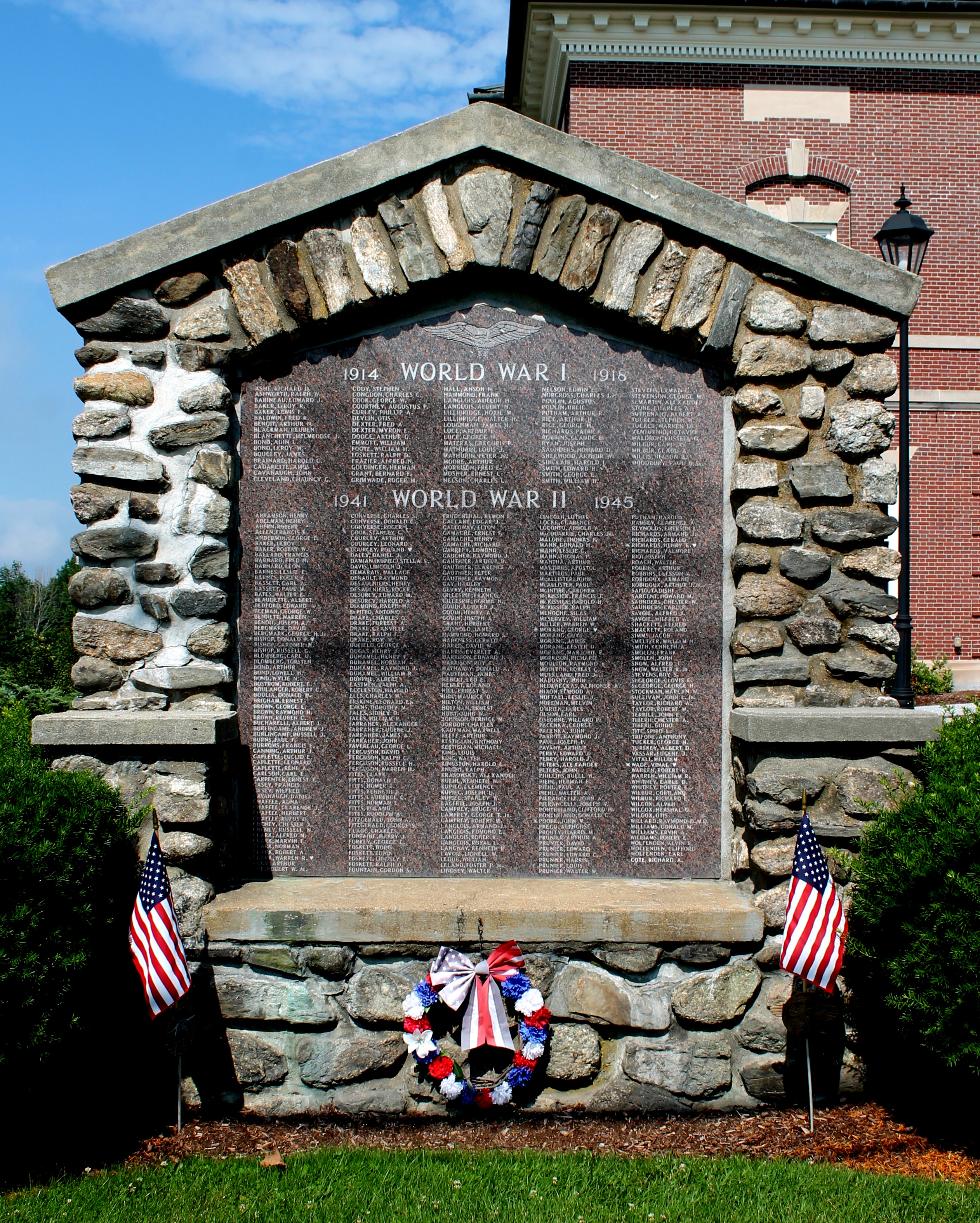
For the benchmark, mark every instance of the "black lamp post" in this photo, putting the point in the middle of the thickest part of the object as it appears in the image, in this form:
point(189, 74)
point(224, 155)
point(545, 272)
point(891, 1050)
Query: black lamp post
point(903, 240)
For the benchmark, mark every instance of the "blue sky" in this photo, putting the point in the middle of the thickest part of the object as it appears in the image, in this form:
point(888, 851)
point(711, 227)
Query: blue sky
point(122, 113)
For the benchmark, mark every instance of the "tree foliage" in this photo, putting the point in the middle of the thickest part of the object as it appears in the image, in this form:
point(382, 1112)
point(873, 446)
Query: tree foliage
point(36, 651)
point(915, 924)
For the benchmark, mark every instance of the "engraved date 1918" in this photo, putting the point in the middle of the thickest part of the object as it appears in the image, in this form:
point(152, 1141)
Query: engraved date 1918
point(606, 374)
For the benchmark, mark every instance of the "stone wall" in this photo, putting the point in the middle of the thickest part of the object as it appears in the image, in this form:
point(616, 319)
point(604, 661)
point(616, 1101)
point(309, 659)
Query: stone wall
point(840, 783)
point(193, 795)
point(156, 438)
point(292, 1024)
point(313, 1029)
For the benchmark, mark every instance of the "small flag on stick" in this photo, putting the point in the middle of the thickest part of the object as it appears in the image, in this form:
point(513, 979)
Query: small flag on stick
point(154, 939)
point(816, 927)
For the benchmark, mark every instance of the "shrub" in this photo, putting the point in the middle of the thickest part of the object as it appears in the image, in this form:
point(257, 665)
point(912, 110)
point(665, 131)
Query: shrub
point(34, 699)
point(915, 924)
point(931, 678)
point(67, 883)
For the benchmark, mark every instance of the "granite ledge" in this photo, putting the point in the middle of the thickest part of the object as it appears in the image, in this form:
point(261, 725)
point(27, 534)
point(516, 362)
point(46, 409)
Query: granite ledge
point(143, 728)
point(398, 910)
point(822, 725)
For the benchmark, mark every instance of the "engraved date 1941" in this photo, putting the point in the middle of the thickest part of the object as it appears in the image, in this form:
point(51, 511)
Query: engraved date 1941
point(351, 501)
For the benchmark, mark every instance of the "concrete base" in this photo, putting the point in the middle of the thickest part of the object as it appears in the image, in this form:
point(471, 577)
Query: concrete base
point(586, 911)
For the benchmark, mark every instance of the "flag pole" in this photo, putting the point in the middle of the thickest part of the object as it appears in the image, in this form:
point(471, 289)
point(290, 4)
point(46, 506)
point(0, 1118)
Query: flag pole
point(157, 948)
point(180, 1100)
point(814, 911)
point(806, 1038)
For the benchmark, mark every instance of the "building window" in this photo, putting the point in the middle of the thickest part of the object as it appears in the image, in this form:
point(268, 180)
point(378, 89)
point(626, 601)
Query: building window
point(823, 229)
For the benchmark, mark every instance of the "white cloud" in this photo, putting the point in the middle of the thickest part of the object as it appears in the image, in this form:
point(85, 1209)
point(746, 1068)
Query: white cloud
point(36, 533)
point(363, 60)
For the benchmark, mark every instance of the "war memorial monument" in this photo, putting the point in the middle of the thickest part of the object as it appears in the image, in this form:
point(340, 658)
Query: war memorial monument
point(485, 538)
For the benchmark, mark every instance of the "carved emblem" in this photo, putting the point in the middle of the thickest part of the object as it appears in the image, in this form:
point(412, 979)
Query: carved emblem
point(483, 337)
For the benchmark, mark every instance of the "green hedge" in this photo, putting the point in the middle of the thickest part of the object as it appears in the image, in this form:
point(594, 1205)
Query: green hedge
point(68, 877)
point(914, 948)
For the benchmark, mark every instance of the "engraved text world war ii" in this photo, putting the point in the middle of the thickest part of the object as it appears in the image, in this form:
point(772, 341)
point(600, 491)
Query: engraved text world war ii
point(481, 605)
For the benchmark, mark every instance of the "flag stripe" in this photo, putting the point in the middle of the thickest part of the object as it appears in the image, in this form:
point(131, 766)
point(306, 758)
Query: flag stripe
point(153, 979)
point(816, 926)
point(154, 936)
point(801, 923)
point(806, 930)
point(829, 965)
point(820, 938)
point(816, 933)
point(141, 954)
point(801, 904)
point(170, 958)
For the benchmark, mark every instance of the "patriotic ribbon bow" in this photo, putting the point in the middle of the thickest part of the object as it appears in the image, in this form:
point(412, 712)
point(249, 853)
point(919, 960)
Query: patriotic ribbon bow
point(458, 980)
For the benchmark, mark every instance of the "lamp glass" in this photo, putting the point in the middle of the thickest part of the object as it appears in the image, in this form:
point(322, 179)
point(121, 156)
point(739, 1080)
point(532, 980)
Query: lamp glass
point(904, 237)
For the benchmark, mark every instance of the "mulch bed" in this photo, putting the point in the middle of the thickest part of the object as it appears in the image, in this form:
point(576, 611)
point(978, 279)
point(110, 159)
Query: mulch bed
point(967, 696)
point(862, 1136)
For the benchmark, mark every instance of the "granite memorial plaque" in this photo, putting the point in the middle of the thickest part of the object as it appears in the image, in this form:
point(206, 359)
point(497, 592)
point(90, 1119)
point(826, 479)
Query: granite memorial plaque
point(481, 612)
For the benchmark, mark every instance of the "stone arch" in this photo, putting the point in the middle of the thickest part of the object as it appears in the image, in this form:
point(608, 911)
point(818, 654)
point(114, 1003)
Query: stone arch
point(478, 225)
point(798, 165)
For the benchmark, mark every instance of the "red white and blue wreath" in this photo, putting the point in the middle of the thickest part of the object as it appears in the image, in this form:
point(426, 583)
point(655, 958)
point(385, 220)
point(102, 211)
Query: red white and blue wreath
point(452, 980)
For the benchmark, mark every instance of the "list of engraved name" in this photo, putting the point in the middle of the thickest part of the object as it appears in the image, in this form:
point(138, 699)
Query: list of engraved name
point(515, 609)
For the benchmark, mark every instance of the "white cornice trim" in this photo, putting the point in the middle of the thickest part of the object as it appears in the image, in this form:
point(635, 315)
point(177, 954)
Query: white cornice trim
point(556, 37)
point(952, 342)
point(939, 400)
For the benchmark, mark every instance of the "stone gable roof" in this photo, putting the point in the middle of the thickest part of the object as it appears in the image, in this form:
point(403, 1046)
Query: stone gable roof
point(347, 184)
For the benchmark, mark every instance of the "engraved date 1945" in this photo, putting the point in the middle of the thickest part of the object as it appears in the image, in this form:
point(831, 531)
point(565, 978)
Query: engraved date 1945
point(614, 503)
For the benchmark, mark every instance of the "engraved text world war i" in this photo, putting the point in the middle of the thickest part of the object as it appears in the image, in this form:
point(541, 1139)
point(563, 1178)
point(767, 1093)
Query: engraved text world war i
point(481, 605)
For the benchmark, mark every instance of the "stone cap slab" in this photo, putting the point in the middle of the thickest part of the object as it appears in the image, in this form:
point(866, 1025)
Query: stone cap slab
point(142, 728)
point(887, 726)
point(540, 151)
point(472, 910)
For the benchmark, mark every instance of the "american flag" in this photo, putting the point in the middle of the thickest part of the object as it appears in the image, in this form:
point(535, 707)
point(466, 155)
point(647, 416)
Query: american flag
point(816, 927)
point(154, 939)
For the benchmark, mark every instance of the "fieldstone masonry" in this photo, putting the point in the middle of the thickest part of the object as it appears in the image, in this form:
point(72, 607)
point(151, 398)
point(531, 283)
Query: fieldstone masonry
point(807, 477)
point(486, 202)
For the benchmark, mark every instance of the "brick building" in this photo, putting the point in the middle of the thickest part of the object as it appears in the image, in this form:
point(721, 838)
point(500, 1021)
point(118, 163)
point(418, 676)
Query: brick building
point(814, 113)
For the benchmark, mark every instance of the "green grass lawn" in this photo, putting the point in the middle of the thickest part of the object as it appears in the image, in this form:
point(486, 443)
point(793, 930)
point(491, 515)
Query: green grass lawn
point(343, 1186)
